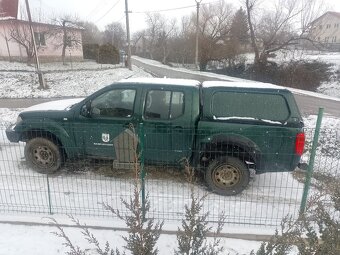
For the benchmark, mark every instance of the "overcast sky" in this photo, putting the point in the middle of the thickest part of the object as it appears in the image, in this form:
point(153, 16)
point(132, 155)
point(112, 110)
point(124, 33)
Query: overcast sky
point(102, 12)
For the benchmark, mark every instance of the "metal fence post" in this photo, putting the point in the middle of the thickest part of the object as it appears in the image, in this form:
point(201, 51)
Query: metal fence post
point(311, 162)
point(49, 195)
point(142, 170)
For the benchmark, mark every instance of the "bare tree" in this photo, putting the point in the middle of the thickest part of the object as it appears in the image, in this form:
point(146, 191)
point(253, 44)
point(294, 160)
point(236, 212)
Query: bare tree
point(166, 34)
point(115, 35)
point(67, 26)
point(20, 33)
point(138, 43)
point(158, 33)
point(91, 34)
point(154, 23)
point(182, 50)
point(287, 24)
point(215, 25)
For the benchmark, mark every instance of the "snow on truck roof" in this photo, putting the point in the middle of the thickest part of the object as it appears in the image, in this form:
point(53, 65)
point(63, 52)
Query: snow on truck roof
point(205, 84)
point(162, 81)
point(236, 84)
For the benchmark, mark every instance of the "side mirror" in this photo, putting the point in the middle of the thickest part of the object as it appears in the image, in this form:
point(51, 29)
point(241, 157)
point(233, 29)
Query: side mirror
point(85, 110)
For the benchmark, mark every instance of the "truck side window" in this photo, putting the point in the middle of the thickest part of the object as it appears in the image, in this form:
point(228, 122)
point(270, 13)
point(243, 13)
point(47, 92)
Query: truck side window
point(249, 105)
point(164, 105)
point(116, 103)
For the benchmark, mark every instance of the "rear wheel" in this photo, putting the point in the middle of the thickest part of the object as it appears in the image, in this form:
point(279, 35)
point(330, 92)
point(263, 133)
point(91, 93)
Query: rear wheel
point(227, 176)
point(43, 155)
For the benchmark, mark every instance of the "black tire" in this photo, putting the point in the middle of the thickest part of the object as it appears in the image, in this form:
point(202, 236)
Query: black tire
point(43, 155)
point(227, 176)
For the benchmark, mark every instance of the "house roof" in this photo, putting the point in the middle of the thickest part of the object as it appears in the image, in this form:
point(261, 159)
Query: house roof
point(337, 14)
point(11, 20)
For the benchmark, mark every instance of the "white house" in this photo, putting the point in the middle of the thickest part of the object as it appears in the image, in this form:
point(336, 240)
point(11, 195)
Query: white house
point(326, 29)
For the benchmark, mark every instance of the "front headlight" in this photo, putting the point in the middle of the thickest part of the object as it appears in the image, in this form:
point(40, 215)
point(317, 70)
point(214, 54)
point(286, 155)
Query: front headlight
point(19, 119)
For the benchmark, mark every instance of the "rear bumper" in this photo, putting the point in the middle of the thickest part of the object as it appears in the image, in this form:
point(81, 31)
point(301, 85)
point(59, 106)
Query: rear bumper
point(12, 135)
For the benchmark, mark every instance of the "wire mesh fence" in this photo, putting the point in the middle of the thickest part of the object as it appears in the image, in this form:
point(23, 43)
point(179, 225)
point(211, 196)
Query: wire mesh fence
point(83, 183)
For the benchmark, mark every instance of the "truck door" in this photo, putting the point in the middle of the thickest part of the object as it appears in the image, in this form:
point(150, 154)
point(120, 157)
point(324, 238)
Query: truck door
point(104, 131)
point(168, 124)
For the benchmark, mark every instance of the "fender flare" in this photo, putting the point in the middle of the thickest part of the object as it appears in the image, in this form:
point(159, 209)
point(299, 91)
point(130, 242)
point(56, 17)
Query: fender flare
point(247, 144)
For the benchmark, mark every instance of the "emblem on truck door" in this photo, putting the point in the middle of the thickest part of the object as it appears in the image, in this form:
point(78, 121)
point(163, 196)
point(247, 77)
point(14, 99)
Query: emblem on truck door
point(105, 137)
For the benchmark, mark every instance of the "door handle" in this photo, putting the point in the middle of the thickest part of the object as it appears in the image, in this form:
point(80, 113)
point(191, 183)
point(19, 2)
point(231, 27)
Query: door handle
point(128, 125)
point(178, 129)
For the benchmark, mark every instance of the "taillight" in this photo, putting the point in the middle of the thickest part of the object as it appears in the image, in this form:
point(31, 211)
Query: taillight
point(299, 143)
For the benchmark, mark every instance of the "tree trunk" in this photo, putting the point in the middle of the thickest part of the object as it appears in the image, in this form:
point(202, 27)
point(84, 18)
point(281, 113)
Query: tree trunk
point(64, 43)
point(164, 55)
point(203, 65)
point(252, 33)
point(63, 54)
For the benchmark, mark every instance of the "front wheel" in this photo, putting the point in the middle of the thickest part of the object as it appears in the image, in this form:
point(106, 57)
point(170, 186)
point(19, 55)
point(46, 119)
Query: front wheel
point(227, 176)
point(43, 155)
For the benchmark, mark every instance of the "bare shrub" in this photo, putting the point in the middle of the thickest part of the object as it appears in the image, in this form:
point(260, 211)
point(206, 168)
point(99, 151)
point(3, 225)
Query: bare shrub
point(307, 75)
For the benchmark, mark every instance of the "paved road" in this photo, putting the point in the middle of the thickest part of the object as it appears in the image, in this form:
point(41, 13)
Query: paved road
point(22, 102)
point(307, 104)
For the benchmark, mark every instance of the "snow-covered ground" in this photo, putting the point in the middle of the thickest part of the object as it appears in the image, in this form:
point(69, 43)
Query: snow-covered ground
point(56, 66)
point(77, 83)
point(38, 240)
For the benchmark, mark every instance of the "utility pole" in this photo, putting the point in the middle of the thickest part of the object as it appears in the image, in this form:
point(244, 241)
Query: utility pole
point(197, 31)
point(40, 74)
point(128, 35)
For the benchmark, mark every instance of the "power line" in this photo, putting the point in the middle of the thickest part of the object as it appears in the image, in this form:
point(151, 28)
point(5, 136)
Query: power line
point(107, 11)
point(165, 10)
point(98, 6)
point(174, 9)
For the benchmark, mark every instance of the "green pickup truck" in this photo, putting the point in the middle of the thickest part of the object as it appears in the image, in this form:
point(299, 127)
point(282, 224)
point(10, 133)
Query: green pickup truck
point(224, 129)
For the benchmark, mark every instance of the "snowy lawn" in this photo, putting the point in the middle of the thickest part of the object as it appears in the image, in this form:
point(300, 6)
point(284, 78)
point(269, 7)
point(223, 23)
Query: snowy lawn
point(77, 83)
point(38, 240)
point(56, 66)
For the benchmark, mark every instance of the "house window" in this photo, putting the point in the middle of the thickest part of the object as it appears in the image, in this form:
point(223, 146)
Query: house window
point(328, 26)
point(336, 25)
point(39, 39)
point(68, 41)
point(334, 39)
point(326, 39)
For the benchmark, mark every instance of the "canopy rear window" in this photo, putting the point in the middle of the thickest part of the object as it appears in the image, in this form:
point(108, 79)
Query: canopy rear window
point(252, 105)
